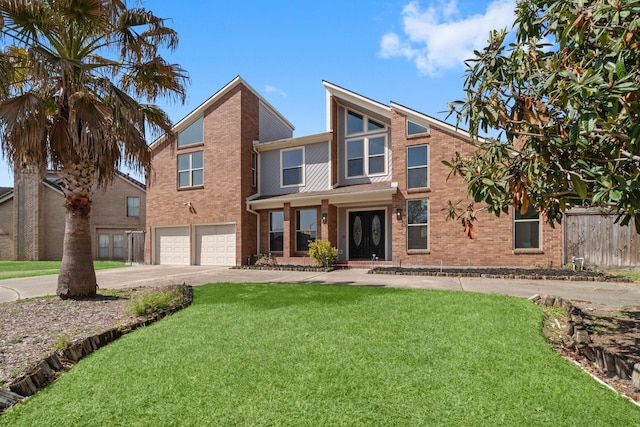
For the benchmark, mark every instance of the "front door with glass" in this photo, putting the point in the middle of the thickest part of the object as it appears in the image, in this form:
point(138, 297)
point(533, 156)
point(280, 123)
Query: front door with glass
point(366, 234)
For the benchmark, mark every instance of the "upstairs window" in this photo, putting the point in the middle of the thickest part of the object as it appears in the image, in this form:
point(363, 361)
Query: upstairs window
point(292, 162)
point(190, 170)
point(414, 128)
point(193, 134)
point(526, 229)
point(366, 149)
point(254, 169)
point(133, 206)
point(417, 166)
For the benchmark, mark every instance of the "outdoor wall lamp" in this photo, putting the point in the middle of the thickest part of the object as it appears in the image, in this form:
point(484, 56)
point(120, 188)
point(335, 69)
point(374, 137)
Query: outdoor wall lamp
point(324, 217)
point(398, 214)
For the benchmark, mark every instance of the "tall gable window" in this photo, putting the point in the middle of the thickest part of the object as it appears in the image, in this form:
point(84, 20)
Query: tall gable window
point(193, 134)
point(417, 166)
point(365, 145)
point(526, 229)
point(414, 128)
point(190, 170)
point(417, 224)
point(292, 162)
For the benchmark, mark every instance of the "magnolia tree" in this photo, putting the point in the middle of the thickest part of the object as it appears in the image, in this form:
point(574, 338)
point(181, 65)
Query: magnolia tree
point(71, 72)
point(563, 97)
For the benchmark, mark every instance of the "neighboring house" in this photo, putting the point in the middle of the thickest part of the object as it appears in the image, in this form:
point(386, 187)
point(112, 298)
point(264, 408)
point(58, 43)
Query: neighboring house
point(234, 183)
point(32, 219)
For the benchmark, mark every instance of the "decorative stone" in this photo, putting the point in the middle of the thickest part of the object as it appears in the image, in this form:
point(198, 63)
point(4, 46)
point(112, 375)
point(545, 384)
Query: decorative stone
point(23, 386)
point(54, 362)
point(581, 337)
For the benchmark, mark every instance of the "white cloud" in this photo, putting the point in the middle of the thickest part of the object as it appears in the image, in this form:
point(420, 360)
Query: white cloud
point(439, 37)
point(269, 89)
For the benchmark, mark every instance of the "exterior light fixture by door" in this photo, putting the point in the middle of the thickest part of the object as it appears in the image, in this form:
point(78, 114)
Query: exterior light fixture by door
point(398, 214)
point(324, 217)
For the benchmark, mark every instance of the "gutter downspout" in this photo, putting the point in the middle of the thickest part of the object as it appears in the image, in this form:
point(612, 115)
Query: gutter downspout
point(253, 197)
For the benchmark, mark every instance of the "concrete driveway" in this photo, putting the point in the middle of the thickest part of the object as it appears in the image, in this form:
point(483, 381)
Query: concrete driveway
point(613, 295)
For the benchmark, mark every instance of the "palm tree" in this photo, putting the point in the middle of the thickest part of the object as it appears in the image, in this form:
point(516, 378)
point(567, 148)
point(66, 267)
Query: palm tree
point(70, 74)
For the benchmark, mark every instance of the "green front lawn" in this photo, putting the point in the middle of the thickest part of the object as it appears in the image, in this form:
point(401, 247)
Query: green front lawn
point(319, 355)
point(15, 269)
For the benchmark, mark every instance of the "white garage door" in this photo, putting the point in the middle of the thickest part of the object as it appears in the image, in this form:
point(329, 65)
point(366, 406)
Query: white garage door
point(216, 244)
point(172, 246)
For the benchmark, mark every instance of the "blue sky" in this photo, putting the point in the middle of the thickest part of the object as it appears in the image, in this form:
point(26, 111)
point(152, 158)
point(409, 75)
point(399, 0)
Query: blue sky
point(409, 52)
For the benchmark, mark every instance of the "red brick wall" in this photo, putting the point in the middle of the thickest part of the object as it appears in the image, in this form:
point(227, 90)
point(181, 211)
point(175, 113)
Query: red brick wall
point(493, 244)
point(230, 127)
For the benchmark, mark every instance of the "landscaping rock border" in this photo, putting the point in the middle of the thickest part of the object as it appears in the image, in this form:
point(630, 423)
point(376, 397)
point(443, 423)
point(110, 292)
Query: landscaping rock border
point(49, 369)
point(286, 267)
point(576, 338)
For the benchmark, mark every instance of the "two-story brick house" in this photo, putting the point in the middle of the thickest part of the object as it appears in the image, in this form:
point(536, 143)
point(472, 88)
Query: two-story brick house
point(373, 185)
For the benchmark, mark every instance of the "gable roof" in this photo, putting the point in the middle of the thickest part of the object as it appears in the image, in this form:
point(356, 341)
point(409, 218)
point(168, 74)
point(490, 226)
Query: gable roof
point(199, 111)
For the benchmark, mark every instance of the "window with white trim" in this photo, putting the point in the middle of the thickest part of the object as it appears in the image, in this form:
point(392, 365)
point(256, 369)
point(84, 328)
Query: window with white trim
point(193, 134)
point(254, 169)
point(365, 146)
point(414, 129)
point(418, 224)
point(133, 206)
point(306, 225)
point(276, 231)
point(526, 229)
point(190, 170)
point(417, 166)
point(292, 165)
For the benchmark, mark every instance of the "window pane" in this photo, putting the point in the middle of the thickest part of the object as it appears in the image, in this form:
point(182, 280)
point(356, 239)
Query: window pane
point(292, 176)
point(417, 211)
point(197, 177)
point(192, 134)
point(376, 146)
point(133, 206)
point(417, 178)
point(355, 123)
point(376, 164)
point(291, 158)
point(306, 219)
point(414, 128)
point(355, 167)
point(417, 156)
point(183, 179)
point(103, 246)
point(277, 221)
point(530, 214)
point(196, 160)
point(417, 237)
point(276, 241)
point(527, 235)
point(373, 125)
point(183, 162)
point(118, 241)
point(355, 149)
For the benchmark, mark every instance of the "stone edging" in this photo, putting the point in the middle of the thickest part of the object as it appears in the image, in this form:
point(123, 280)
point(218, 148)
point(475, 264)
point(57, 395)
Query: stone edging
point(576, 338)
point(47, 370)
point(532, 276)
point(285, 268)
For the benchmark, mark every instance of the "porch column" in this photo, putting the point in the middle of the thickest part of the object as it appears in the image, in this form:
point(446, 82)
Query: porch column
point(328, 229)
point(287, 234)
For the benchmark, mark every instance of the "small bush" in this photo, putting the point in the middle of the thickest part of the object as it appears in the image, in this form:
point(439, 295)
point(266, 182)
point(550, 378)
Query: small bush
point(266, 260)
point(323, 253)
point(155, 300)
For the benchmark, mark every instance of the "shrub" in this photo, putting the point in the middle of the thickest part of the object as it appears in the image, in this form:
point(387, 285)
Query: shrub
point(155, 300)
point(323, 253)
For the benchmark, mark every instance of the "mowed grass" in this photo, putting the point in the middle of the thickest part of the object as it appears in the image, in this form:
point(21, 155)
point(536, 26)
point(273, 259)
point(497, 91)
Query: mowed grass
point(16, 269)
point(319, 355)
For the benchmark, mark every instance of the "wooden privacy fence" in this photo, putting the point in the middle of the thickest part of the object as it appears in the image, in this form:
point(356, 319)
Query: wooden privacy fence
point(595, 237)
point(135, 240)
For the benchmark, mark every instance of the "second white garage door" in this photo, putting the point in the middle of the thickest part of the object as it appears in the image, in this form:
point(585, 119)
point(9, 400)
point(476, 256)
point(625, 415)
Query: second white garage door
point(216, 244)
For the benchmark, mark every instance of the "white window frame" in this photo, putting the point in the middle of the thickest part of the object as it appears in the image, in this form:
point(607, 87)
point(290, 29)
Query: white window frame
point(410, 135)
point(191, 170)
point(365, 135)
point(527, 220)
point(302, 167)
point(298, 229)
point(426, 166)
point(254, 169)
point(271, 231)
point(422, 224)
point(199, 136)
point(130, 208)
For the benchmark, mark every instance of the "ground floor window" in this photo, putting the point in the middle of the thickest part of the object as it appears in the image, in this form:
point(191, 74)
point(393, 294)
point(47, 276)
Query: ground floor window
point(526, 229)
point(306, 224)
point(276, 228)
point(417, 224)
point(118, 246)
point(103, 246)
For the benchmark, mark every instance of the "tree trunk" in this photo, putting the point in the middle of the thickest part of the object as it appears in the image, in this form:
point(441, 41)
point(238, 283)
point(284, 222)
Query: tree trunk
point(77, 278)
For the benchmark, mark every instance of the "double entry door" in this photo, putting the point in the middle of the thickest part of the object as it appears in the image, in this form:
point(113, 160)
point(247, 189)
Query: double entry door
point(366, 234)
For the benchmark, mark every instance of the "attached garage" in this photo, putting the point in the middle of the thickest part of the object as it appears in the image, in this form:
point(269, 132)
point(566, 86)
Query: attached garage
point(216, 244)
point(172, 246)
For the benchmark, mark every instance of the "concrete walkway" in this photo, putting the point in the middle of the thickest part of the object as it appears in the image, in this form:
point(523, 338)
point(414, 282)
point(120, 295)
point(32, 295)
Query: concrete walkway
point(610, 294)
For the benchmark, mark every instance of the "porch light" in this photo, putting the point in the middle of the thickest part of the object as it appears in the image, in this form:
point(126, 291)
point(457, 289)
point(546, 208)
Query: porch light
point(324, 217)
point(398, 214)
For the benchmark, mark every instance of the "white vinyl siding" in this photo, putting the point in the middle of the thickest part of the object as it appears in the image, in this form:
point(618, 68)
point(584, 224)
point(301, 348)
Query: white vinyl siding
point(271, 127)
